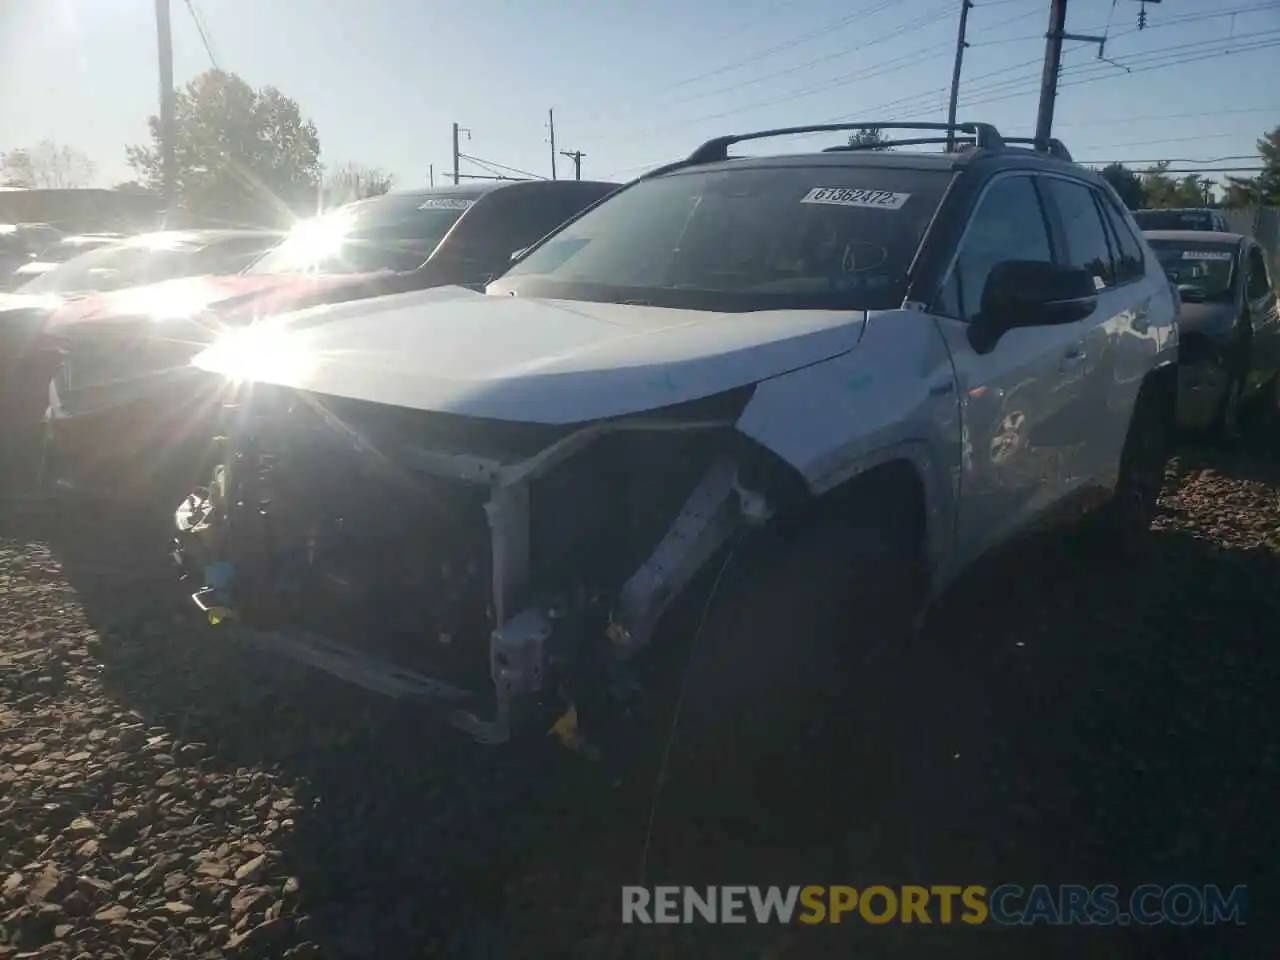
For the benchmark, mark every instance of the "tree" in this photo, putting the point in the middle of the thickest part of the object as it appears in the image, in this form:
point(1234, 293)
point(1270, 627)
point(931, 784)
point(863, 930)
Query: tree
point(1161, 190)
point(241, 156)
point(46, 166)
point(1262, 190)
point(352, 181)
point(1126, 183)
point(870, 139)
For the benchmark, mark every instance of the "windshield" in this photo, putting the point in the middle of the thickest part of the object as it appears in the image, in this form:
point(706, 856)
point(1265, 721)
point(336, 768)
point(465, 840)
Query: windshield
point(1173, 219)
point(755, 238)
point(392, 232)
point(113, 267)
point(1203, 273)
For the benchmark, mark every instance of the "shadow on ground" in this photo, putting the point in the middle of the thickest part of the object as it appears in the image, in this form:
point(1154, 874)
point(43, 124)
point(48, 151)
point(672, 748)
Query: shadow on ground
point(1062, 722)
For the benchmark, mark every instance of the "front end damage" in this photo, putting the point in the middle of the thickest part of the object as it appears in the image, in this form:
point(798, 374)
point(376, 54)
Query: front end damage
point(507, 573)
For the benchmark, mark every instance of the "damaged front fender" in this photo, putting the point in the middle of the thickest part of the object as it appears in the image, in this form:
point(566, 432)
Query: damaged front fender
point(502, 586)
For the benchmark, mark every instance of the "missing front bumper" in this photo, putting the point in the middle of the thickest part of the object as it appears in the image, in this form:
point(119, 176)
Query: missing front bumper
point(544, 657)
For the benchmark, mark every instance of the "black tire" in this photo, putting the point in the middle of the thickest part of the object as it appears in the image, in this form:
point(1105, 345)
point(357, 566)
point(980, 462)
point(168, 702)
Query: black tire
point(1125, 522)
point(760, 707)
point(1225, 428)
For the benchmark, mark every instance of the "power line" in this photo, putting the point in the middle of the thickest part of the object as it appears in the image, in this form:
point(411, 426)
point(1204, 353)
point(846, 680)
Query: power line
point(1165, 22)
point(503, 166)
point(900, 62)
point(1101, 121)
point(932, 96)
point(816, 34)
point(203, 32)
point(1018, 86)
point(920, 21)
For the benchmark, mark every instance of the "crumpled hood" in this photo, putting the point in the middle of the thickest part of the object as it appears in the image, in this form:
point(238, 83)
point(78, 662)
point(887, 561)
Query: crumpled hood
point(1207, 318)
point(234, 299)
point(453, 350)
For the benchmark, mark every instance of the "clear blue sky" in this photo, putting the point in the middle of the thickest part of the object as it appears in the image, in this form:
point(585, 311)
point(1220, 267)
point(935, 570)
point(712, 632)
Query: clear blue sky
point(636, 83)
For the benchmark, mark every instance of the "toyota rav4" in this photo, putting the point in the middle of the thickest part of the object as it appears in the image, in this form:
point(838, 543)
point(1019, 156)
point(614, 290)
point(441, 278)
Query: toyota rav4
point(851, 372)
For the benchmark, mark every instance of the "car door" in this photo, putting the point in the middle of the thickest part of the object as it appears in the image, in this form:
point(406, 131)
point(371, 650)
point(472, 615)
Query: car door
point(1137, 340)
point(1017, 422)
point(1260, 296)
point(1104, 381)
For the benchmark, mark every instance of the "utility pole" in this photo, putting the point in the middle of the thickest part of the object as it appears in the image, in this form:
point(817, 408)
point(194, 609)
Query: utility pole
point(431, 174)
point(551, 126)
point(456, 152)
point(1052, 64)
point(164, 45)
point(1053, 61)
point(961, 43)
point(576, 156)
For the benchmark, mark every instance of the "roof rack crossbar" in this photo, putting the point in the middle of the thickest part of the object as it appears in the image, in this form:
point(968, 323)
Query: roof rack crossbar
point(884, 144)
point(1053, 146)
point(986, 136)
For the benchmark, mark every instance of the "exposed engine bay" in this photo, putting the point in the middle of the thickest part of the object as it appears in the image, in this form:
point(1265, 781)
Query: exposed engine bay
point(501, 570)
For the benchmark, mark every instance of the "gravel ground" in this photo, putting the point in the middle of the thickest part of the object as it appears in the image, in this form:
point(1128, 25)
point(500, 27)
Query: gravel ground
point(166, 793)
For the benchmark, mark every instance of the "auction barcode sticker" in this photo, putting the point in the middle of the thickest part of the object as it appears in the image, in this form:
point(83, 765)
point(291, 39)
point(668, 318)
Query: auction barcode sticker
point(849, 197)
point(1206, 255)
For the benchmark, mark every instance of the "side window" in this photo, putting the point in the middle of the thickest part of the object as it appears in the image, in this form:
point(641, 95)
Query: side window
point(1128, 259)
point(1008, 224)
point(1258, 283)
point(1082, 228)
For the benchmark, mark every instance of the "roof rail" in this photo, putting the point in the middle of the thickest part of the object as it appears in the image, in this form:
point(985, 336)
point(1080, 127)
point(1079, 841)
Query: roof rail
point(1053, 146)
point(909, 142)
point(985, 136)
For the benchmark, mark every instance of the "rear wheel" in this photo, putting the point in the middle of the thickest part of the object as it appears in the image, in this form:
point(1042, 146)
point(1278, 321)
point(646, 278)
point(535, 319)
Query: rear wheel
point(1126, 520)
point(1225, 428)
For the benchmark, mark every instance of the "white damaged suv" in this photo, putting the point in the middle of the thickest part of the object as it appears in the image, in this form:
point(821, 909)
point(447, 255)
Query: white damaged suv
point(851, 372)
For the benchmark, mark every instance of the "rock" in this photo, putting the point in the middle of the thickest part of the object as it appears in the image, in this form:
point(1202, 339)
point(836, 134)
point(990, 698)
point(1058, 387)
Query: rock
point(246, 899)
point(46, 885)
point(81, 825)
point(179, 908)
point(112, 913)
point(213, 868)
point(249, 871)
point(76, 904)
point(256, 938)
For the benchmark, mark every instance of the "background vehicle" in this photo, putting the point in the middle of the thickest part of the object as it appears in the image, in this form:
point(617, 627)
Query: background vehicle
point(60, 251)
point(1229, 324)
point(29, 357)
point(19, 244)
point(119, 388)
point(1182, 218)
point(806, 391)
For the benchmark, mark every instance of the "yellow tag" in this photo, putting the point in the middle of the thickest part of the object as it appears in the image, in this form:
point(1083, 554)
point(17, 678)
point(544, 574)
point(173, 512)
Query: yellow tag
point(566, 728)
point(218, 614)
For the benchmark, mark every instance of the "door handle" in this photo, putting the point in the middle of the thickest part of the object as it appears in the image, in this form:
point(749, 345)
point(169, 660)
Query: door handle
point(1071, 358)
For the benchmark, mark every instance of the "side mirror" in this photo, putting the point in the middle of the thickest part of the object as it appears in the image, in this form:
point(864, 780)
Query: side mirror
point(1031, 293)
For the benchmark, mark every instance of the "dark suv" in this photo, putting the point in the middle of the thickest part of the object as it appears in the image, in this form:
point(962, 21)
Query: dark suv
point(1182, 218)
point(123, 386)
